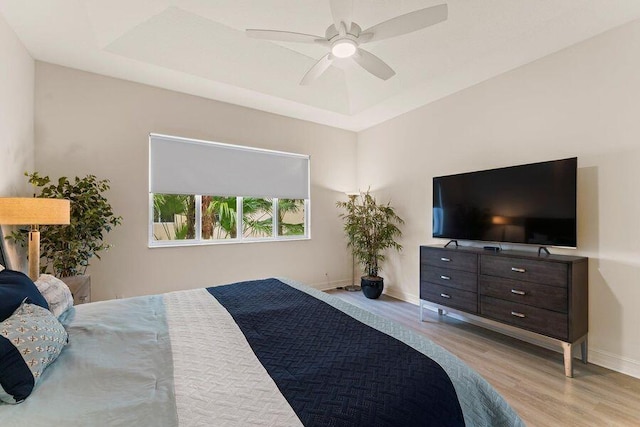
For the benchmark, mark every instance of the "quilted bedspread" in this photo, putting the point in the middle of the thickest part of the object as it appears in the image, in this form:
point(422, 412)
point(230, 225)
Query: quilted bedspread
point(260, 353)
point(334, 370)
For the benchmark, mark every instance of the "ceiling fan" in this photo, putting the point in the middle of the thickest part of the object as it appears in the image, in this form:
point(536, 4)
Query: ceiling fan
point(344, 37)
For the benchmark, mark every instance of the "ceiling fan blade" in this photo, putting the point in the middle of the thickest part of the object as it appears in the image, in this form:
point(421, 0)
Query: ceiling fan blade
point(317, 69)
point(406, 23)
point(373, 64)
point(342, 11)
point(285, 36)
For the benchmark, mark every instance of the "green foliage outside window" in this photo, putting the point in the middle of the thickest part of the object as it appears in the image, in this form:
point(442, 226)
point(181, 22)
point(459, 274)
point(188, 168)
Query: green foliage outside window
point(170, 210)
point(175, 215)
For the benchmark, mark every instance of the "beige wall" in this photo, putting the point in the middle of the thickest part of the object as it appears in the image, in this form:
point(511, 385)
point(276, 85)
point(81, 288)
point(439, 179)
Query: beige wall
point(16, 120)
point(583, 101)
point(86, 123)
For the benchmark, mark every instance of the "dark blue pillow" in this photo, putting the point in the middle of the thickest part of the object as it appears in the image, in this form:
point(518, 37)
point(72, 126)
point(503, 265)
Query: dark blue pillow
point(14, 288)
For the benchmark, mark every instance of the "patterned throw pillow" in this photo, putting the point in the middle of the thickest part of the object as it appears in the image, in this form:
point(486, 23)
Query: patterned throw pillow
point(30, 340)
point(56, 292)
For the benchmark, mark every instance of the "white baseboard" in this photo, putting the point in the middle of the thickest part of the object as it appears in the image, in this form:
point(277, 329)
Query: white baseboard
point(329, 285)
point(614, 362)
point(403, 296)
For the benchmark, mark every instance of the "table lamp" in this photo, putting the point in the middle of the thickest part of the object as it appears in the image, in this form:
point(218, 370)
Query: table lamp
point(34, 211)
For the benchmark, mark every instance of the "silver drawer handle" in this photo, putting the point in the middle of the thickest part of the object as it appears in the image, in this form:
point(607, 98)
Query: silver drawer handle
point(518, 270)
point(445, 259)
point(515, 313)
point(445, 296)
point(517, 292)
point(445, 277)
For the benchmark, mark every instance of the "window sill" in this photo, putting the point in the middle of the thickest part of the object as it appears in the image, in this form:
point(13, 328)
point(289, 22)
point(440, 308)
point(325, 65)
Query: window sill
point(181, 243)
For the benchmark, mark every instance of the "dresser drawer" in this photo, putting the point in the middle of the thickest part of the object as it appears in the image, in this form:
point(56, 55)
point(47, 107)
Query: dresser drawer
point(452, 278)
point(548, 297)
point(454, 298)
point(449, 259)
point(545, 322)
point(547, 273)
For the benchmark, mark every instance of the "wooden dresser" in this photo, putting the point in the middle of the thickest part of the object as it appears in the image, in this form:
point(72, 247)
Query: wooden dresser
point(545, 294)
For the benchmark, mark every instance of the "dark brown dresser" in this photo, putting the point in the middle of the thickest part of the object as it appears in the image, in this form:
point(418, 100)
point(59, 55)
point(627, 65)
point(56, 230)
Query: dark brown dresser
point(545, 294)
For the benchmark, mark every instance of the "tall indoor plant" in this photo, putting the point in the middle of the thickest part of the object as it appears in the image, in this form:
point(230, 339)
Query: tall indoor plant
point(371, 228)
point(67, 249)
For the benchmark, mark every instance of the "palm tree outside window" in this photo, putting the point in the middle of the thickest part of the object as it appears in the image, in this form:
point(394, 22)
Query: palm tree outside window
point(200, 218)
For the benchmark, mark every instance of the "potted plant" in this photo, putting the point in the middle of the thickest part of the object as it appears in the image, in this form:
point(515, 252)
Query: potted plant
point(67, 249)
point(371, 228)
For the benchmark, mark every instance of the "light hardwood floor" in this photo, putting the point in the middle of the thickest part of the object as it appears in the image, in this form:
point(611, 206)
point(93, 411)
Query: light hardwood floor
point(530, 378)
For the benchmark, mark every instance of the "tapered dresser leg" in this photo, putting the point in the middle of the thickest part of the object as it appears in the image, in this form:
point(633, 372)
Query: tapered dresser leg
point(584, 349)
point(568, 366)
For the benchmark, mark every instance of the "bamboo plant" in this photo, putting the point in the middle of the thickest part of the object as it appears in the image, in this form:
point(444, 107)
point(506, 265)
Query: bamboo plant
point(371, 228)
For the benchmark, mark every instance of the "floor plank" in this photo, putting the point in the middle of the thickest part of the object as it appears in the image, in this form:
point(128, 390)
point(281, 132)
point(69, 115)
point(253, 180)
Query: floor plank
point(531, 378)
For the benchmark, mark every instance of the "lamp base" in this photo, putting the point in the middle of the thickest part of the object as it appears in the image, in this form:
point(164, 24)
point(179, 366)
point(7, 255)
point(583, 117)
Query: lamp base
point(352, 288)
point(34, 254)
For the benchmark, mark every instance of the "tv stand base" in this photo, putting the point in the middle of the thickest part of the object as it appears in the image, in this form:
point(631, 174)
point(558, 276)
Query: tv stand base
point(543, 248)
point(450, 242)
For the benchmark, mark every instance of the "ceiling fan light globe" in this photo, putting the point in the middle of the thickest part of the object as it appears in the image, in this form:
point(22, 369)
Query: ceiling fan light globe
point(344, 48)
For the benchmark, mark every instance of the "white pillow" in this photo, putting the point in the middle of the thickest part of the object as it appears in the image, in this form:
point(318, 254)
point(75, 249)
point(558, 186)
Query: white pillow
point(56, 292)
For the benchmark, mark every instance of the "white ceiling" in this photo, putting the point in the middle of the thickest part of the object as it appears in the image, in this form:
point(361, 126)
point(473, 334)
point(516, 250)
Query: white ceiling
point(199, 47)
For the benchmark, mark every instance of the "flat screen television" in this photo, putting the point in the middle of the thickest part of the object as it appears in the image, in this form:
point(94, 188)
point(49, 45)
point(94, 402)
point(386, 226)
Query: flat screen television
point(527, 204)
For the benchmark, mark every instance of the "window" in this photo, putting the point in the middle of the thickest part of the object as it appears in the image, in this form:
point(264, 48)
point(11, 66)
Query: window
point(202, 192)
point(172, 219)
point(219, 218)
point(257, 217)
point(291, 217)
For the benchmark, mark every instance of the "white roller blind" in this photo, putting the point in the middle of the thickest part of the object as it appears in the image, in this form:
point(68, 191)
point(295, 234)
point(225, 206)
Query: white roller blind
point(187, 166)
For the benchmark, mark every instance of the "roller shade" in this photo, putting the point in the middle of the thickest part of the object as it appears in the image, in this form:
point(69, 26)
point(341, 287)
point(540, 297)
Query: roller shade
point(187, 166)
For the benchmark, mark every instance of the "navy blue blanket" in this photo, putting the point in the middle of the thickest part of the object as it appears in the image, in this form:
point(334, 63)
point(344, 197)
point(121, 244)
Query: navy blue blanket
point(334, 370)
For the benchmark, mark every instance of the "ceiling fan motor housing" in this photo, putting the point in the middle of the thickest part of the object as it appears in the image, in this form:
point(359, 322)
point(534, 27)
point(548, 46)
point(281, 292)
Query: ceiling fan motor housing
point(354, 30)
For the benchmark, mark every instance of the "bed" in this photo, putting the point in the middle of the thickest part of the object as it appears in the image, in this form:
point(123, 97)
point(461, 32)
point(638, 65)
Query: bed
point(270, 352)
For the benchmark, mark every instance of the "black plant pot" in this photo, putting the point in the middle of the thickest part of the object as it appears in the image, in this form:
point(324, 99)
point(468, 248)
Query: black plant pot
point(372, 286)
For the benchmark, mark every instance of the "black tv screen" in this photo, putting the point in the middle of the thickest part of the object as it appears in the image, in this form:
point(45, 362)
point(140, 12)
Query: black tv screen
point(530, 204)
